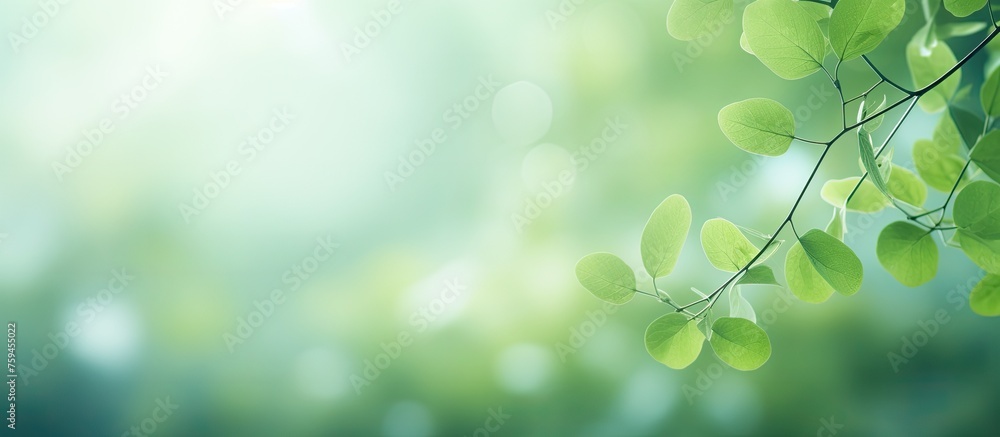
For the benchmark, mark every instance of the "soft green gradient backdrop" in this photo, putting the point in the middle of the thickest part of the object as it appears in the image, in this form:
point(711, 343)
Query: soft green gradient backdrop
point(495, 346)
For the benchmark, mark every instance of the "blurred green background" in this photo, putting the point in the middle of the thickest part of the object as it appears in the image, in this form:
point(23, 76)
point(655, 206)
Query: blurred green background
point(491, 359)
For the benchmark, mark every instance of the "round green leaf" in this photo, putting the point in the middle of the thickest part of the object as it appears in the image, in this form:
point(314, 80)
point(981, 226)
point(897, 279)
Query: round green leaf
point(969, 125)
point(760, 275)
point(977, 210)
point(837, 228)
point(858, 26)
point(687, 19)
point(986, 155)
point(740, 343)
point(607, 277)
point(867, 199)
point(834, 261)
point(664, 235)
point(803, 279)
point(927, 64)
point(725, 246)
point(785, 37)
point(907, 187)
point(985, 253)
point(963, 8)
point(936, 164)
point(760, 126)
point(908, 252)
point(985, 297)
point(674, 340)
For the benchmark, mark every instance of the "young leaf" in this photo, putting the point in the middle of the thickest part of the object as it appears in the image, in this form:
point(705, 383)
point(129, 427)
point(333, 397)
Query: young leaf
point(740, 343)
point(664, 235)
point(837, 226)
point(607, 277)
point(927, 64)
point(784, 37)
point(760, 126)
point(989, 95)
point(907, 187)
point(986, 155)
point(858, 26)
point(977, 210)
point(834, 261)
point(985, 253)
point(937, 165)
point(759, 275)
point(687, 19)
point(867, 199)
point(963, 8)
point(674, 340)
point(725, 246)
point(803, 279)
point(969, 125)
point(985, 297)
point(739, 306)
point(956, 30)
point(908, 252)
point(875, 173)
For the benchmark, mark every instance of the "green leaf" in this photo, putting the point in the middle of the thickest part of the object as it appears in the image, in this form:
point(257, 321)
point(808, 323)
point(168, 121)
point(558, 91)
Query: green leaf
point(674, 340)
point(927, 64)
point(956, 30)
point(867, 199)
point(834, 261)
point(664, 235)
point(869, 107)
point(963, 8)
point(969, 125)
point(985, 253)
point(760, 126)
point(740, 343)
point(739, 306)
point(875, 172)
point(803, 279)
point(858, 26)
point(758, 275)
point(986, 155)
point(817, 11)
point(837, 227)
point(985, 297)
point(908, 252)
point(947, 136)
point(687, 19)
point(937, 165)
point(744, 44)
point(607, 277)
point(784, 37)
point(989, 95)
point(977, 210)
point(904, 185)
point(725, 246)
